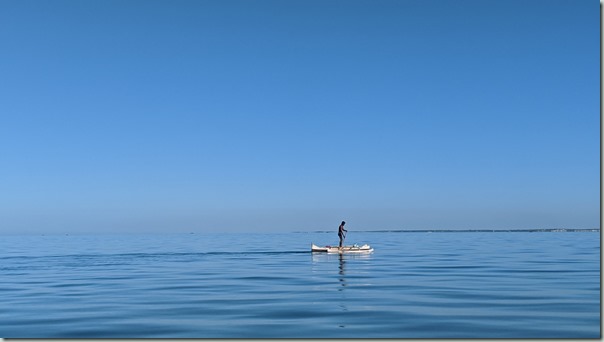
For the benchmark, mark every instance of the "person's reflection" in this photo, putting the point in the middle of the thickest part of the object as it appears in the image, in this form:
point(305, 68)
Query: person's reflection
point(342, 271)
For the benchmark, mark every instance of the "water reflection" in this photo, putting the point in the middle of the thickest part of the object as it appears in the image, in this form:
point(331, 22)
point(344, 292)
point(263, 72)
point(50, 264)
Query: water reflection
point(345, 262)
point(342, 278)
point(332, 257)
point(342, 271)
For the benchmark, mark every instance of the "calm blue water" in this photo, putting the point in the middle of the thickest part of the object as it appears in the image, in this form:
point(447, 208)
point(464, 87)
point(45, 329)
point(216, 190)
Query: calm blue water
point(415, 285)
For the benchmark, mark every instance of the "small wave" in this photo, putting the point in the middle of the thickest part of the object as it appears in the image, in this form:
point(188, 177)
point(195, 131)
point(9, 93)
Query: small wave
point(149, 255)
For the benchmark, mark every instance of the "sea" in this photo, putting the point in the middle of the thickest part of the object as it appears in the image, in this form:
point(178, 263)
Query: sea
point(416, 284)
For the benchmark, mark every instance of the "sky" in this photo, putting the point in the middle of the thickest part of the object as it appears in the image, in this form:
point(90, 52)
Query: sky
point(145, 116)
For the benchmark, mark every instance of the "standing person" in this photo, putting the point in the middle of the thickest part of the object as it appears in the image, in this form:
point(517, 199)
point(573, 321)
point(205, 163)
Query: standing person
point(341, 231)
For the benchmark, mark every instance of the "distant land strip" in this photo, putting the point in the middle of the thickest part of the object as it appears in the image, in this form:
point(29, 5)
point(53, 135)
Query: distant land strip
point(549, 230)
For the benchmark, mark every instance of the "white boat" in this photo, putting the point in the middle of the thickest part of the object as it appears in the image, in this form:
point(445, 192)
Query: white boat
point(345, 249)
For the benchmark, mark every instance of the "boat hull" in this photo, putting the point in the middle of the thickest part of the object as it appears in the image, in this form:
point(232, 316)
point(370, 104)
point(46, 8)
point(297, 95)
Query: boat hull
point(344, 250)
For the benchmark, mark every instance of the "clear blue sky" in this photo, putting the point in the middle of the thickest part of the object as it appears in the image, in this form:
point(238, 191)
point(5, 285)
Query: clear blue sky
point(223, 115)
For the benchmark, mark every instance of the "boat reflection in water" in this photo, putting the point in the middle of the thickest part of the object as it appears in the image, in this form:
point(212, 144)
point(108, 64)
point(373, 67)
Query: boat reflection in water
point(333, 257)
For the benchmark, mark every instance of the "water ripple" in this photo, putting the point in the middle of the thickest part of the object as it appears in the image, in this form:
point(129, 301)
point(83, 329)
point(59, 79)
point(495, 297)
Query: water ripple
point(414, 285)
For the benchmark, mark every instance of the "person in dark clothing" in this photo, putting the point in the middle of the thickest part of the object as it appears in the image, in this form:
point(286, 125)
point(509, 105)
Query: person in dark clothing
point(341, 234)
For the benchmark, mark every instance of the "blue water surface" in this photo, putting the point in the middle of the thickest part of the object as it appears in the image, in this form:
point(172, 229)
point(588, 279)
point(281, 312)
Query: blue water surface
point(414, 285)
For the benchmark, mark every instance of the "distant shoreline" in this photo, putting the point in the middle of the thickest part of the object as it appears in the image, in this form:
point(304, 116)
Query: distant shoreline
point(550, 230)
